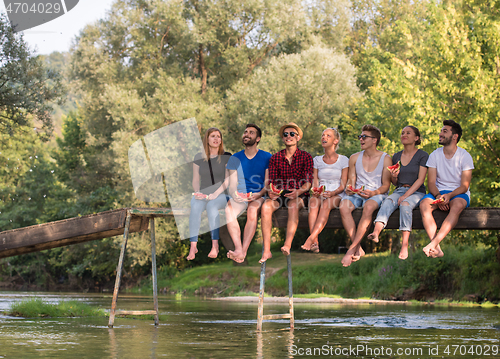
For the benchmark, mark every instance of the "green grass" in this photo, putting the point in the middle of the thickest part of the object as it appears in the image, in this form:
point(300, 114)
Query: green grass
point(33, 308)
point(210, 280)
point(249, 294)
point(466, 274)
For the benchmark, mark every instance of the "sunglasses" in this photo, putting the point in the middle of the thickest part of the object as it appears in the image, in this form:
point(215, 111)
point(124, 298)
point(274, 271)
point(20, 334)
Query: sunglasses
point(364, 137)
point(292, 134)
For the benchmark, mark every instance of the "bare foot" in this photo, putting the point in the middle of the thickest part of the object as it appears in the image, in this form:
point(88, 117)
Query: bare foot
point(285, 250)
point(358, 254)
point(347, 260)
point(373, 237)
point(403, 254)
point(266, 256)
point(437, 253)
point(428, 249)
point(307, 245)
point(192, 251)
point(236, 256)
point(214, 252)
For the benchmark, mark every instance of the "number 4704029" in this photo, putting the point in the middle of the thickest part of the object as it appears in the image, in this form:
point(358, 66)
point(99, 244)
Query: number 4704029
point(477, 350)
point(36, 8)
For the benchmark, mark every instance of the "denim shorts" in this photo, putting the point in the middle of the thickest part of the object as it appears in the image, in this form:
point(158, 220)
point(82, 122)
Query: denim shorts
point(462, 195)
point(359, 201)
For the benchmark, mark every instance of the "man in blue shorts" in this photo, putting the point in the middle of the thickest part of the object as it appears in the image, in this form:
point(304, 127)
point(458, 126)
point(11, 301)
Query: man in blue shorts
point(368, 173)
point(449, 176)
point(248, 173)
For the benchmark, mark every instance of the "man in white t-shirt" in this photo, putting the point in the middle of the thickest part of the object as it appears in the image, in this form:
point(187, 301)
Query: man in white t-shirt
point(449, 176)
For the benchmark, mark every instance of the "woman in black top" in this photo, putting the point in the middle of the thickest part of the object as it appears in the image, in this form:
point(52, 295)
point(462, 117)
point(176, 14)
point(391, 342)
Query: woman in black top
point(210, 179)
point(409, 181)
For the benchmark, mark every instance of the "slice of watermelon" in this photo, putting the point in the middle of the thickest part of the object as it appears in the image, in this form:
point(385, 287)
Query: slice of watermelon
point(243, 195)
point(275, 190)
point(394, 167)
point(355, 190)
point(199, 195)
point(439, 200)
point(317, 190)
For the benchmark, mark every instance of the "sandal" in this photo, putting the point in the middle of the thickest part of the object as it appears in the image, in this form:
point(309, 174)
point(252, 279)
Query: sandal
point(315, 248)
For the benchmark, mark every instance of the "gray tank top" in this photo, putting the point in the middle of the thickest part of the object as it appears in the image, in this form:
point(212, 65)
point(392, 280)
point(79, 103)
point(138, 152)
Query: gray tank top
point(371, 180)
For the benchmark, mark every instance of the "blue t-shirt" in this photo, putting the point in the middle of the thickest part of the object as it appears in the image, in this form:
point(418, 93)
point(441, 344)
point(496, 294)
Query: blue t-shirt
point(251, 173)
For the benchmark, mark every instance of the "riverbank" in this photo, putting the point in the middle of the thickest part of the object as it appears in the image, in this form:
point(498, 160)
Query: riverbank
point(463, 274)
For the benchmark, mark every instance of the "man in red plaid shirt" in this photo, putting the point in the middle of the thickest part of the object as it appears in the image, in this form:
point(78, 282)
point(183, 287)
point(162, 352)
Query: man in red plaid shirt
point(290, 170)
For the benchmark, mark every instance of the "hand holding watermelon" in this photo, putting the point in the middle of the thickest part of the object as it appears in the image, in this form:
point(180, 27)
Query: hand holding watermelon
point(317, 191)
point(437, 201)
point(275, 189)
point(200, 196)
point(394, 167)
point(443, 202)
point(274, 192)
point(355, 190)
point(243, 197)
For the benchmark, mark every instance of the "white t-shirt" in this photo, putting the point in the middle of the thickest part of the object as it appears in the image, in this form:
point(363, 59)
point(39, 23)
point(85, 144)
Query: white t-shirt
point(449, 171)
point(330, 175)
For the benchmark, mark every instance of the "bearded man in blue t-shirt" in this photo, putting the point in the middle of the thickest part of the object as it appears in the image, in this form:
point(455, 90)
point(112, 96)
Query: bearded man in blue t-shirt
point(248, 174)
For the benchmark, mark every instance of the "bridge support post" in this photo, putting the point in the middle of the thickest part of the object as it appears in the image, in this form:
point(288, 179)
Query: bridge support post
point(119, 270)
point(153, 269)
point(260, 313)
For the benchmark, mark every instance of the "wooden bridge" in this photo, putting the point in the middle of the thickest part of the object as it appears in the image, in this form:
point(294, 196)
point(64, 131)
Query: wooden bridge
point(112, 223)
point(68, 231)
point(128, 220)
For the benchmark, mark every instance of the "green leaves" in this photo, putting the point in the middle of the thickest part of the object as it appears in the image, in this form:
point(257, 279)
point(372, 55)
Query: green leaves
point(313, 89)
point(444, 67)
point(26, 86)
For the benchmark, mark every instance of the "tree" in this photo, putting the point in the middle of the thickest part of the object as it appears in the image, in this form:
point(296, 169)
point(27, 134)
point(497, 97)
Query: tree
point(448, 70)
point(27, 88)
point(313, 89)
point(149, 64)
point(376, 25)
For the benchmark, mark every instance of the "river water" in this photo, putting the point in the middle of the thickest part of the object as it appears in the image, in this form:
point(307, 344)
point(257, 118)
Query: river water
point(198, 328)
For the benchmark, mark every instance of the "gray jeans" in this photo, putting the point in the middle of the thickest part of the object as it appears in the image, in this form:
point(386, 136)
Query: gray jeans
point(405, 212)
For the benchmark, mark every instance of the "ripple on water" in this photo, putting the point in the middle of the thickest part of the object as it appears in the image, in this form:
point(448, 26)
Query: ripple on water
point(207, 329)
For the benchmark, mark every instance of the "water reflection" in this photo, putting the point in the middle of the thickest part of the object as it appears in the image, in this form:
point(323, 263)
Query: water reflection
point(196, 328)
point(112, 344)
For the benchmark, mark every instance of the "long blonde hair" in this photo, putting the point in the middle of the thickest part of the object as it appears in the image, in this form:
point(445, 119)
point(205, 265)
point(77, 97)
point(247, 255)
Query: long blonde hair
point(206, 147)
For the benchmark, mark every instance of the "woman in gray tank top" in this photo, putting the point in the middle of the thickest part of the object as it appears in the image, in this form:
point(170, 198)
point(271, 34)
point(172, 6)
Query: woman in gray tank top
point(409, 181)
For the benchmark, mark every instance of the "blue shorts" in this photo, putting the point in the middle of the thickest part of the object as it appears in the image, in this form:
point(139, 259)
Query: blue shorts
point(463, 195)
point(359, 201)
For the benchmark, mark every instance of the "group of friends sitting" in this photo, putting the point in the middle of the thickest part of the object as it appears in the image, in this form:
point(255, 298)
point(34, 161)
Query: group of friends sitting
point(260, 183)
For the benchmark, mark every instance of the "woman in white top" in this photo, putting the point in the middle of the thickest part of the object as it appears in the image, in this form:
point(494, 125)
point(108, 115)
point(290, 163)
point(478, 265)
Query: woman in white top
point(330, 170)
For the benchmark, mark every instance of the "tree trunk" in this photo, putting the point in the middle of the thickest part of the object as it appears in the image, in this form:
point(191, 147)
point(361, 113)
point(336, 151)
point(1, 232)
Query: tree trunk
point(498, 249)
point(203, 70)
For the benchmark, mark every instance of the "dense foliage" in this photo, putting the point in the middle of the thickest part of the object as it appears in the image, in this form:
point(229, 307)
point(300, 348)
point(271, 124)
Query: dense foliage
point(148, 64)
point(26, 86)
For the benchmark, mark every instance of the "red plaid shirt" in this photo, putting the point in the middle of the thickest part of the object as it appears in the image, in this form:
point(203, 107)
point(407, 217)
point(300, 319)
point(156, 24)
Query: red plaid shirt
point(288, 176)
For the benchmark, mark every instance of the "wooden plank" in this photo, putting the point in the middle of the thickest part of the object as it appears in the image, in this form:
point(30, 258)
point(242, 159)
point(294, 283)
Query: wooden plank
point(162, 212)
point(276, 316)
point(111, 223)
point(470, 218)
point(68, 231)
